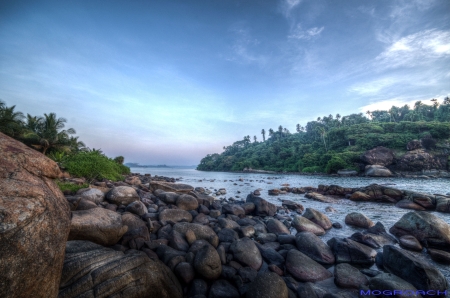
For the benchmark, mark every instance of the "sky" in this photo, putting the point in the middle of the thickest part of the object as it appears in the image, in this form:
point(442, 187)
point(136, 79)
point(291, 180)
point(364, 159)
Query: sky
point(167, 82)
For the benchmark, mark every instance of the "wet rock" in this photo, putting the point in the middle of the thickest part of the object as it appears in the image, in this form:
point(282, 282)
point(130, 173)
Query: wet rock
point(442, 204)
point(426, 227)
point(286, 239)
point(198, 287)
point(359, 220)
point(201, 219)
point(267, 285)
point(314, 247)
point(247, 231)
point(185, 272)
point(347, 276)
point(390, 282)
point(318, 197)
point(262, 207)
point(277, 227)
point(377, 171)
point(137, 232)
point(91, 270)
point(97, 225)
point(228, 223)
point(34, 222)
point(168, 197)
point(302, 224)
point(223, 289)
point(407, 204)
point(200, 231)
point(303, 268)
point(291, 205)
point(91, 194)
point(178, 242)
point(271, 256)
point(171, 187)
point(307, 290)
point(410, 242)
point(233, 209)
point(245, 251)
point(337, 225)
point(174, 215)
point(439, 256)
point(207, 262)
point(122, 195)
point(348, 251)
point(419, 273)
point(81, 204)
point(360, 196)
point(424, 200)
point(187, 202)
point(318, 218)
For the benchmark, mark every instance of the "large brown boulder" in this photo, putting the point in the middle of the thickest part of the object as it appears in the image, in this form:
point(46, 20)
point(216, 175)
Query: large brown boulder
point(101, 226)
point(171, 187)
point(426, 227)
point(419, 160)
point(34, 222)
point(378, 156)
point(91, 270)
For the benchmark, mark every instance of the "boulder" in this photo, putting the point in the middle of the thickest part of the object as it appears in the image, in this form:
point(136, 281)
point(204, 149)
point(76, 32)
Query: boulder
point(137, 208)
point(187, 202)
point(207, 262)
point(426, 227)
point(302, 224)
point(390, 283)
point(173, 216)
point(359, 220)
point(442, 204)
point(414, 145)
point(201, 232)
point(378, 156)
point(91, 270)
point(245, 251)
point(360, 196)
point(92, 194)
point(410, 242)
point(318, 218)
point(439, 256)
point(267, 285)
point(314, 247)
point(97, 225)
point(277, 227)
point(233, 209)
point(137, 232)
point(377, 171)
point(34, 222)
point(407, 204)
point(171, 187)
point(347, 276)
point(319, 197)
point(291, 205)
point(304, 269)
point(222, 289)
point(419, 273)
point(168, 197)
point(122, 195)
point(420, 160)
point(133, 180)
point(424, 200)
point(348, 251)
point(262, 207)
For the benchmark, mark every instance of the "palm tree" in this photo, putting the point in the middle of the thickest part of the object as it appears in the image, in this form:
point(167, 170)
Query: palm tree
point(254, 139)
point(297, 127)
point(280, 130)
point(49, 133)
point(10, 121)
point(263, 132)
point(271, 132)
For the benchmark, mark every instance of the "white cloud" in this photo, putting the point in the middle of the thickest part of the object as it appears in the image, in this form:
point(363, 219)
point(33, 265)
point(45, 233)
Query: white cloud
point(373, 87)
point(299, 33)
point(242, 48)
point(416, 49)
point(287, 6)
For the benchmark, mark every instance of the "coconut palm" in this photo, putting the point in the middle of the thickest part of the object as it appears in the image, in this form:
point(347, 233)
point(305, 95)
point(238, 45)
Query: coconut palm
point(263, 132)
point(49, 133)
point(10, 121)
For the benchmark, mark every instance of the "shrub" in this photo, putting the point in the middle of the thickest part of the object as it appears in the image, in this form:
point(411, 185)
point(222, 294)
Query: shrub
point(72, 188)
point(313, 169)
point(94, 165)
point(335, 164)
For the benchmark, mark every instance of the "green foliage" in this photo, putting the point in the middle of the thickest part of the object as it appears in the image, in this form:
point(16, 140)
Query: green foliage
point(333, 143)
point(71, 187)
point(94, 165)
point(119, 159)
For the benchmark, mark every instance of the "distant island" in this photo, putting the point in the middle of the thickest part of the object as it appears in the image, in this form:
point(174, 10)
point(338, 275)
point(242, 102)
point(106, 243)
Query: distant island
point(137, 165)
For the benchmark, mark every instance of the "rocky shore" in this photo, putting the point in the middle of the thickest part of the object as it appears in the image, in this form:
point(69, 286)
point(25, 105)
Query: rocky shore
point(152, 237)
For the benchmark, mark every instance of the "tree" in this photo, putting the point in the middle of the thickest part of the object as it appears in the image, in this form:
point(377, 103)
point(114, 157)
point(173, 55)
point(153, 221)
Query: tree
point(119, 160)
point(263, 132)
point(48, 133)
point(10, 121)
point(280, 130)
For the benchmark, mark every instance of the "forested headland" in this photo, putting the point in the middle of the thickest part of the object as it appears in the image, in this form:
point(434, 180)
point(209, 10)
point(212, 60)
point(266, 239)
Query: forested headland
point(331, 143)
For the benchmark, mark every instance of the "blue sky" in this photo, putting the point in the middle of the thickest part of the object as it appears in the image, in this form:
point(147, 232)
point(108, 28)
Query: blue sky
point(171, 81)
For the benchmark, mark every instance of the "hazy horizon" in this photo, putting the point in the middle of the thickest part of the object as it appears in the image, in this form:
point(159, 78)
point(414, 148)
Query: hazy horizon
point(167, 82)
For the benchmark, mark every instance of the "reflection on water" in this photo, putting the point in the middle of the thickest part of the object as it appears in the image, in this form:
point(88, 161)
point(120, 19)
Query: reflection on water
point(386, 213)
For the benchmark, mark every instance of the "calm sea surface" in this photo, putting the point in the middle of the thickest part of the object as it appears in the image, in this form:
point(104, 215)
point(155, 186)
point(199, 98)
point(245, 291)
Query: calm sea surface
point(387, 214)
